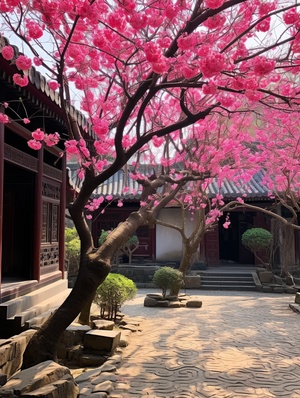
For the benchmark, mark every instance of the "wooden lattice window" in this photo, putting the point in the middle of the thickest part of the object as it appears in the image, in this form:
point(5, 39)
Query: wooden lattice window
point(50, 217)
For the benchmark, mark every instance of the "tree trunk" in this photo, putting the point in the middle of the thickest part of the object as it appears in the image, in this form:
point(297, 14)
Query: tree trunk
point(94, 268)
point(42, 346)
point(186, 258)
point(84, 316)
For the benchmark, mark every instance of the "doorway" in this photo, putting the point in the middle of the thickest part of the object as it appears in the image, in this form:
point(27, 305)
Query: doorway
point(18, 223)
point(230, 239)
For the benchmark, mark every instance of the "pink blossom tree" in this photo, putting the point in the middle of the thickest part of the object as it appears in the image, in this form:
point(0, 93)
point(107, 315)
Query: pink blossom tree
point(149, 72)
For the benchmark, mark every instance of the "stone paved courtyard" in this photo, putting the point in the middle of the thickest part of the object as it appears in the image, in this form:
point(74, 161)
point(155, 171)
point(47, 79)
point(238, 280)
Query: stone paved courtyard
point(237, 345)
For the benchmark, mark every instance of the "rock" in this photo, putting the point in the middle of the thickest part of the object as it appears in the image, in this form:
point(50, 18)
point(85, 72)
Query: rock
point(59, 389)
point(91, 360)
point(3, 379)
point(102, 340)
point(106, 367)
point(163, 303)
point(131, 321)
point(74, 353)
point(194, 303)
point(105, 386)
point(175, 304)
point(73, 335)
point(278, 289)
point(297, 298)
point(103, 324)
point(115, 360)
point(172, 298)
point(87, 375)
point(124, 339)
point(267, 289)
point(156, 296)
point(132, 328)
point(290, 289)
point(62, 351)
point(150, 302)
point(104, 377)
point(11, 352)
point(55, 378)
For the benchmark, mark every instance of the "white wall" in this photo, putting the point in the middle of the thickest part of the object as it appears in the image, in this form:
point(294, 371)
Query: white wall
point(168, 241)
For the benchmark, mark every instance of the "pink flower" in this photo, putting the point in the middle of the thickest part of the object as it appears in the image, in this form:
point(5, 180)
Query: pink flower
point(26, 121)
point(212, 64)
point(23, 62)
point(100, 127)
point(263, 66)
point(209, 88)
point(51, 139)
point(153, 52)
point(7, 53)
point(34, 30)
point(215, 21)
point(160, 67)
point(120, 203)
point(214, 4)
point(226, 224)
point(33, 144)
point(3, 118)
point(21, 81)
point(264, 25)
point(38, 134)
point(186, 42)
point(37, 61)
point(291, 16)
point(53, 85)
point(89, 217)
point(71, 147)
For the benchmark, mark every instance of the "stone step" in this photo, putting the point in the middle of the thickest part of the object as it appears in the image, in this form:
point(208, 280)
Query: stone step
point(227, 278)
point(227, 281)
point(229, 287)
point(21, 304)
point(30, 315)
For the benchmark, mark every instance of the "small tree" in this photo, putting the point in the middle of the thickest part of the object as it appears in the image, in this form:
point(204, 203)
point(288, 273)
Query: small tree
point(72, 244)
point(127, 249)
point(168, 278)
point(260, 242)
point(112, 294)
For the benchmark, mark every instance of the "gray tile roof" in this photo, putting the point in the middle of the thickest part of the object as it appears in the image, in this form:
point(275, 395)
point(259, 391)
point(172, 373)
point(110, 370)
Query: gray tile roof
point(38, 81)
point(254, 189)
point(114, 186)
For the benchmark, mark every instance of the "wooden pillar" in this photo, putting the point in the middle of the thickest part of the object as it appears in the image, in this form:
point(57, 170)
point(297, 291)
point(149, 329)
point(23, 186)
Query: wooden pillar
point(1, 188)
point(62, 216)
point(38, 217)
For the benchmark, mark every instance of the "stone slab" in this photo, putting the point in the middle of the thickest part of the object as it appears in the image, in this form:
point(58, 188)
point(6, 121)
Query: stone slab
point(34, 378)
point(102, 340)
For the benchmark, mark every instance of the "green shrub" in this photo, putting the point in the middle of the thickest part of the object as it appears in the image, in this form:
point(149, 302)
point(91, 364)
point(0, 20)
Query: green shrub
point(72, 245)
point(257, 239)
point(168, 278)
point(112, 294)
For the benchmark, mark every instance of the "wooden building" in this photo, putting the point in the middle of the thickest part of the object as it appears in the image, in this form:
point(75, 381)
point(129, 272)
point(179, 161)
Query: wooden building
point(32, 191)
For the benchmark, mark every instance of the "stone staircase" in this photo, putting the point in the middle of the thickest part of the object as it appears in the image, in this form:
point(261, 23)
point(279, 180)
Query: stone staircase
point(32, 309)
point(239, 281)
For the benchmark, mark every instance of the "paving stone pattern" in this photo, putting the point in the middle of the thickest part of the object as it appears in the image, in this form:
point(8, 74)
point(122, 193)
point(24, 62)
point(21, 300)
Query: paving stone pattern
point(237, 345)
